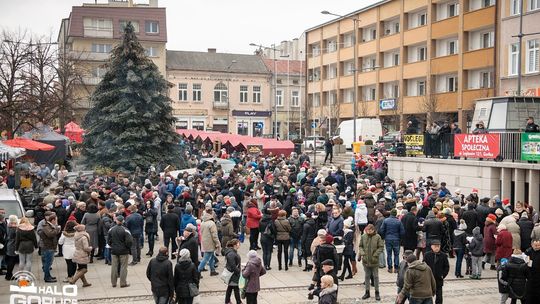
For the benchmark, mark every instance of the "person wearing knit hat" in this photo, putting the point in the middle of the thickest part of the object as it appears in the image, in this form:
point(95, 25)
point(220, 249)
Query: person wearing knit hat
point(503, 243)
point(490, 230)
point(185, 274)
point(371, 246)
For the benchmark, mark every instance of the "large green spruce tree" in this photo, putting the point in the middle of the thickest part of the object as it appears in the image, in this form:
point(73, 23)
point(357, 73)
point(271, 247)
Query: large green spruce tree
point(131, 122)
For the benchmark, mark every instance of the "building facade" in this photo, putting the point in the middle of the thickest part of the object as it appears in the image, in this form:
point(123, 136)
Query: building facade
point(414, 58)
point(92, 30)
point(288, 96)
point(295, 49)
point(228, 93)
point(508, 44)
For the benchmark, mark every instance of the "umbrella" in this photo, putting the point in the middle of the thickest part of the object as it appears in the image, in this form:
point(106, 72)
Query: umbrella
point(28, 144)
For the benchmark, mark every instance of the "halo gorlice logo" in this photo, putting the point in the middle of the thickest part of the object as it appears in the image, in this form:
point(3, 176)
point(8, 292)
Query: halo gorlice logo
point(23, 290)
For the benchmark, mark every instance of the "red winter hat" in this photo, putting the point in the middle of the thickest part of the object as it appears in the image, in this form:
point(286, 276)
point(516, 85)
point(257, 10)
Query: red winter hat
point(492, 217)
point(329, 239)
point(506, 201)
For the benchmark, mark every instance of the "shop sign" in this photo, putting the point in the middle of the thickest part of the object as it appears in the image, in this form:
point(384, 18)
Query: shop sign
point(414, 144)
point(388, 104)
point(477, 145)
point(530, 146)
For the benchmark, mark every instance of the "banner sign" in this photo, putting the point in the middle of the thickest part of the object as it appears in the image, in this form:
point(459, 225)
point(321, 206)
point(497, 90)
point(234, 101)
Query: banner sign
point(476, 145)
point(414, 144)
point(530, 146)
point(388, 104)
point(254, 149)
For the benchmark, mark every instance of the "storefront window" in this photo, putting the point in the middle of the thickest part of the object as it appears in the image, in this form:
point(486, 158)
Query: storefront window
point(182, 124)
point(258, 128)
point(198, 125)
point(242, 128)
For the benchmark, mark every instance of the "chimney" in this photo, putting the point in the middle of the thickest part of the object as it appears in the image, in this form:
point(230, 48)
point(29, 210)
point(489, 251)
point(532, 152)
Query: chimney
point(212, 50)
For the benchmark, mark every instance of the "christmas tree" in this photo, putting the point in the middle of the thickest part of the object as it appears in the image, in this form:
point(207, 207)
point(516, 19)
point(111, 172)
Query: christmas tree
point(131, 123)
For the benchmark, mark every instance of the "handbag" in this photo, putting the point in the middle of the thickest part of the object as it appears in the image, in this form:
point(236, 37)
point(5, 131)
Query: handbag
point(226, 276)
point(193, 289)
point(242, 284)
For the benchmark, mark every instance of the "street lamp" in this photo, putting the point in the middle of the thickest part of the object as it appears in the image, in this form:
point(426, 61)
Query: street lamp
point(273, 48)
point(228, 98)
point(355, 54)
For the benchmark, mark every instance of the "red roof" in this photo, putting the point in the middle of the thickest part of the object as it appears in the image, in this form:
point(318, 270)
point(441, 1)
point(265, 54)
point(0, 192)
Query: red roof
point(296, 67)
point(28, 144)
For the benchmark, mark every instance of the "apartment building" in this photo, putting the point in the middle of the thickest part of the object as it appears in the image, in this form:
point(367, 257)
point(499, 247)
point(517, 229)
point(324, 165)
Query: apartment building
point(414, 57)
point(93, 29)
point(229, 93)
point(508, 45)
point(288, 96)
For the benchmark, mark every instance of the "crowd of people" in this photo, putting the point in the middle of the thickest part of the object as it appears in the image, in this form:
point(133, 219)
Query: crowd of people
point(321, 219)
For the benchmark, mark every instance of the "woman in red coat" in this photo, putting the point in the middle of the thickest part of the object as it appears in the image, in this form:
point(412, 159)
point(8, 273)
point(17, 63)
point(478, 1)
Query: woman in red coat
point(503, 242)
point(254, 215)
point(490, 230)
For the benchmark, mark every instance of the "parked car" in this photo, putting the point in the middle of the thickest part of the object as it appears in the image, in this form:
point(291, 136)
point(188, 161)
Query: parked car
point(11, 203)
point(309, 142)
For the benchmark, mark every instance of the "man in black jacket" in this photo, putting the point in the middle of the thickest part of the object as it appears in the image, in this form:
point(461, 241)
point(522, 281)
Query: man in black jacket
point(410, 223)
point(170, 224)
point(120, 241)
point(471, 218)
point(189, 241)
point(160, 274)
point(438, 262)
point(434, 230)
point(514, 276)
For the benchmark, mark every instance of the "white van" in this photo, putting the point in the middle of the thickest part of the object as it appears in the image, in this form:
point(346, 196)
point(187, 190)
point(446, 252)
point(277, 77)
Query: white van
point(366, 128)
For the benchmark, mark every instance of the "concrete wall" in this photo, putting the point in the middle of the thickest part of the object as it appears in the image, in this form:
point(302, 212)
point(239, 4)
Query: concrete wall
point(489, 177)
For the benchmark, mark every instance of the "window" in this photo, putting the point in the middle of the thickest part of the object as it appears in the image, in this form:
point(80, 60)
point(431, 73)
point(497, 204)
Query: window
point(182, 92)
point(396, 27)
point(151, 52)
point(453, 9)
point(243, 94)
point(316, 100)
point(485, 79)
point(197, 92)
point(452, 47)
point(242, 128)
point(373, 34)
point(421, 53)
point(422, 18)
point(515, 7)
point(295, 81)
point(279, 98)
point(197, 125)
point(532, 56)
point(151, 27)
point(123, 24)
point(371, 93)
point(332, 98)
point(421, 88)
point(513, 59)
point(348, 40)
point(331, 46)
point(534, 5)
point(256, 94)
point(295, 99)
point(348, 95)
point(101, 48)
point(487, 40)
point(220, 92)
point(395, 59)
point(97, 24)
point(451, 84)
point(395, 91)
point(99, 71)
point(348, 68)
point(315, 50)
point(486, 3)
point(331, 71)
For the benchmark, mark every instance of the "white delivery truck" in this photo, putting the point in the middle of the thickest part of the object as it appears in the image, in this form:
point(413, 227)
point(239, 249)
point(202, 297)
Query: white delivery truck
point(366, 128)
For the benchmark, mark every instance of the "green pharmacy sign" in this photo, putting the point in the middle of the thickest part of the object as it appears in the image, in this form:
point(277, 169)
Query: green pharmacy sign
point(530, 146)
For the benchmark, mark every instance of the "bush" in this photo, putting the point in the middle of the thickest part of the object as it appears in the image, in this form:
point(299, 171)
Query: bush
point(369, 142)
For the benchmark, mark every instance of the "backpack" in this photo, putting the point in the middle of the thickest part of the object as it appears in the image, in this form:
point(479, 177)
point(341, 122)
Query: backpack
point(268, 231)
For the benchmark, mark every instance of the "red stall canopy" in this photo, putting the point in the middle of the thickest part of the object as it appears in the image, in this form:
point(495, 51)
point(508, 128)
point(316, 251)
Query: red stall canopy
point(74, 132)
point(28, 144)
point(241, 142)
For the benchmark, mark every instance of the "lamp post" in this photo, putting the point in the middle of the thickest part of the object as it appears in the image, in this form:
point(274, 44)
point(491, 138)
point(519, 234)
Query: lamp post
point(273, 48)
point(228, 95)
point(288, 97)
point(355, 54)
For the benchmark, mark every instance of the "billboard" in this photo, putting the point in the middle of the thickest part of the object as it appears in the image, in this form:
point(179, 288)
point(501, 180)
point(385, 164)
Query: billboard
point(530, 146)
point(414, 144)
point(476, 145)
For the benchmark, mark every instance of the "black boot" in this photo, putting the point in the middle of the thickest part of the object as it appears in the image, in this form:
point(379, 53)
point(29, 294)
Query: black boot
point(492, 267)
point(342, 276)
point(483, 265)
point(377, 296)
point(366, 295)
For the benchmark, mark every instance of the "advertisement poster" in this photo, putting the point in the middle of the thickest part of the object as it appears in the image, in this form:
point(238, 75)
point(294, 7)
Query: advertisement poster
point(414, 144)
point(476, 145)
point(530, 146)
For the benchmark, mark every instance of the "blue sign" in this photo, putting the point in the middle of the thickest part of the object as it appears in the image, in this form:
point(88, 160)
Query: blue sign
point(313, 125)
point(388, 104)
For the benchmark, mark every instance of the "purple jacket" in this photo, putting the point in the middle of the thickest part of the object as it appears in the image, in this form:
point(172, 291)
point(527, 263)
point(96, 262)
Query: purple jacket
point(252, 273)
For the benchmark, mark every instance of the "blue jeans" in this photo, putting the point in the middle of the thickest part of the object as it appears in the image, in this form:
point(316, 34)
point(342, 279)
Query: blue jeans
point(161, 300)
point(207, 258)
point(295, 244)
point(421, 301)
point(392, 246)
point(459, 260)
point(47, 257)
point(107, 254)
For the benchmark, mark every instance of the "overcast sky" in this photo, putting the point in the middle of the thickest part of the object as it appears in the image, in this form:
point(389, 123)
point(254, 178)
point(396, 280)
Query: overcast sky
point(195, 25)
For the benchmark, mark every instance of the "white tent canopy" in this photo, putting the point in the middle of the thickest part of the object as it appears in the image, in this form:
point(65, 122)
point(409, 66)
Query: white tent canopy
point(7, 152)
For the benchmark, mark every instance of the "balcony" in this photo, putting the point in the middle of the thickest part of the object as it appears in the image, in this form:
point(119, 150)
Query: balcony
point(469, 96)
point(91, 80)
point(367, 78)
point(447, 101)
point(367, 48)
point(411, 5)
point(96, 32)
point(221, 105)
point(480, 18)
point(346, 81)
point(444, 65)
point(478, 59)
point(389, 74)
point(415, 70)
point(329, 58)
point(445, 28)
point(390, 42)
point(314, 62)
point(415, 35)
point(346, 53)
point(414, 104)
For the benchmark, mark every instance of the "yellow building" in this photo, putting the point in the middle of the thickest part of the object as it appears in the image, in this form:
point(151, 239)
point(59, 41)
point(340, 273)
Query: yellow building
point(92, 30)
point(414, 57)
